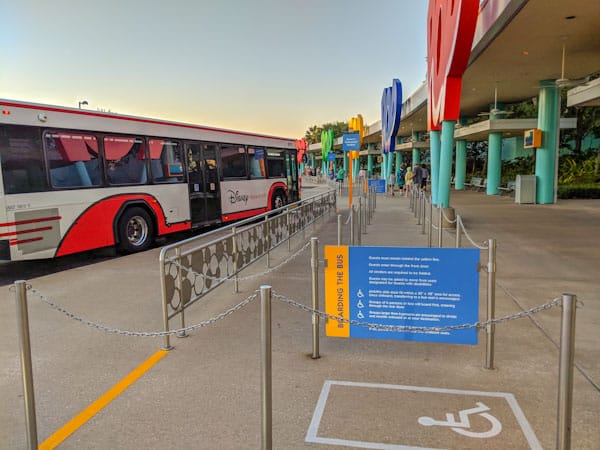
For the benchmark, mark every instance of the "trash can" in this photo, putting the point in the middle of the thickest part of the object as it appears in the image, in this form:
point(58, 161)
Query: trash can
point(525, 186)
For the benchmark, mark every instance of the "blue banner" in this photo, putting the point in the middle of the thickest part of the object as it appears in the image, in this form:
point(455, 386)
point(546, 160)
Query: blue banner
point(330, 156)
point(350, 142)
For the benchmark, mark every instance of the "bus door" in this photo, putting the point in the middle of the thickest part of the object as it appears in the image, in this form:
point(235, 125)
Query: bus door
point(203, 180)
point(291, 167)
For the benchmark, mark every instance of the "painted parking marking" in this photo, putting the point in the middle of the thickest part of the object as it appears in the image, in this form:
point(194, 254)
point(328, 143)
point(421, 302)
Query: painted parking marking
point(81, 419)
point(463, 425)
point(397, 417)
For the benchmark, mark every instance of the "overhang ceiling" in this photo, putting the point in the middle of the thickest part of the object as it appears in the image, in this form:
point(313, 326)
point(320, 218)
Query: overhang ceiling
point(523, 47)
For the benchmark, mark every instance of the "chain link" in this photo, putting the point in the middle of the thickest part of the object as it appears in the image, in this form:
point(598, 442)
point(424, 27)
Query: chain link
point(481, 247)
point(377, 326)
point(178, 331)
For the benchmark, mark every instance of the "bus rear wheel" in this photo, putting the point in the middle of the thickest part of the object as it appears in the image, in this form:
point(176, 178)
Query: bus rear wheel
point(136, 230)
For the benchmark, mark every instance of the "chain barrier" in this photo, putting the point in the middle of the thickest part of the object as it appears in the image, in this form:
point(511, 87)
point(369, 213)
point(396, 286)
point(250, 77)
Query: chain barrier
point(478, 325)
point(481, 247)
point(230, 277)
point(446, 217)
point(118, 331)
point(298, 305)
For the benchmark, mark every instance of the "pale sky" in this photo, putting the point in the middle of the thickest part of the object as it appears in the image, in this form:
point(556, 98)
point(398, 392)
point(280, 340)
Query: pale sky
point(266, 66)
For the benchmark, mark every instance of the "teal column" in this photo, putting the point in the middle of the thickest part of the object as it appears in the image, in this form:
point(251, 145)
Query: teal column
point(494, 155)
point(434, 138)
point(346, 163)
point(398, 159)
point(445, 173)
point(416, 154)
point(370, 163)
point(355, 167)
point(460, 165)
point(547, 155)
point(314, 160)
point(494, 164)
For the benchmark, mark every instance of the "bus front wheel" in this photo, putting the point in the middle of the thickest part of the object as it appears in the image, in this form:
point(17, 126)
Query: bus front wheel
point(278, 199)
point(136, 230)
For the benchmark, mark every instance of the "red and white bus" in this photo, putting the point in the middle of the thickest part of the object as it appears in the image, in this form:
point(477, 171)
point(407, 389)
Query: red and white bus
point(75, 180)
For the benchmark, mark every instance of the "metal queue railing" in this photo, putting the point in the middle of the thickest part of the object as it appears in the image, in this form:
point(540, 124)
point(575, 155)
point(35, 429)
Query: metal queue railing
point(194, 267)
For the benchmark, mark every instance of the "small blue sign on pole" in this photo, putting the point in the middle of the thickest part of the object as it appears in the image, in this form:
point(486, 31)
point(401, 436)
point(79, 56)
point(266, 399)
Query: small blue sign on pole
point(330, 156)
point(350, 142)
point(379, 185)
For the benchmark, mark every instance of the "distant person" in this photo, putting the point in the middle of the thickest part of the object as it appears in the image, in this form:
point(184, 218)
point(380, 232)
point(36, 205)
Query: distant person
point(400, 173)
point(408, 180)
point(340, 175)
point(390, 184)
point(424, 176)
point(362, 173)
point(418, 176)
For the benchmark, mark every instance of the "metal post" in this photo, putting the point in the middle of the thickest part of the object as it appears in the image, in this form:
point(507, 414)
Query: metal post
point(165, 303)
point(440, 226)
point(364, 215)
point(289, 230)
point(266, 373)
point(491, 304)
point(360, 222)
point(314, 264)
point(458, 243)
point(418, 209)
point(268, 240)
point(26, 366)
point(181, 334)
point(430, 232)
point(565, 371)
point(423, 212)
point(235, 261)
point(352, 225)
point(339, 229)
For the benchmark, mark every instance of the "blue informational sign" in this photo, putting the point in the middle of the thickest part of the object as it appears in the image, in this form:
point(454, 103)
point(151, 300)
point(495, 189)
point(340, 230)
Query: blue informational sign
point(350, 142)
point(409, 287)
point(379, 186)
point(330, 156)
point(259, 153)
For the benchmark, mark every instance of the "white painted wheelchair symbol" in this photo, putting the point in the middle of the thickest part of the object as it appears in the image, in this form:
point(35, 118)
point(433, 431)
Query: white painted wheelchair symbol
point(462, 426)
point(360, 294)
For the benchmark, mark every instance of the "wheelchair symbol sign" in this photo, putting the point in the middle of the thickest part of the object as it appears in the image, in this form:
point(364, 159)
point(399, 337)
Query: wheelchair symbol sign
point(463, 425)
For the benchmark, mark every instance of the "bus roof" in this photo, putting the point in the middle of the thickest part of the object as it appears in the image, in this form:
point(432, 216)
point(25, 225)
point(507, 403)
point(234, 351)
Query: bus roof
point(76, 115)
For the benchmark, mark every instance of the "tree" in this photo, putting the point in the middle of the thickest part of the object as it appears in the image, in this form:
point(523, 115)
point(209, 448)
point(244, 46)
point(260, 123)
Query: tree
point(313, 134)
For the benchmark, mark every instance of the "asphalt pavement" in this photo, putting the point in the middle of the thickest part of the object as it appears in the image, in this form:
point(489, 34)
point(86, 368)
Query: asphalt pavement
point(360, 393)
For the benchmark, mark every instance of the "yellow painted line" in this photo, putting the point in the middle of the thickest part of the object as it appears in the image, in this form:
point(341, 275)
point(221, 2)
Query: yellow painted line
point(80, 419)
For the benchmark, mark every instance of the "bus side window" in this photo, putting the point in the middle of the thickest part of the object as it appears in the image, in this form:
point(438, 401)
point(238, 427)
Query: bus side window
point(275, 163)
point(233, 158)
point(125, 160)
point(166, 162)
point(256, 158)
point(72, 159)
point(22, 159)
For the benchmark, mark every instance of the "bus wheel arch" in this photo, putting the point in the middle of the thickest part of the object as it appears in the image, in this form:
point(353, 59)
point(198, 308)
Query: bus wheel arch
point(135, 229)
point(278, 199)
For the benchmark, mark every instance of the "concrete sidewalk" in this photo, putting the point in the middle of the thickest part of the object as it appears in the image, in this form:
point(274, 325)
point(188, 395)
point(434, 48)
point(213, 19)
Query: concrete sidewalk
point(361, 393)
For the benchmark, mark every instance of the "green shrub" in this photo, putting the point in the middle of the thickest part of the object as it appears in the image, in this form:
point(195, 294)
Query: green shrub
point(584, 190)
